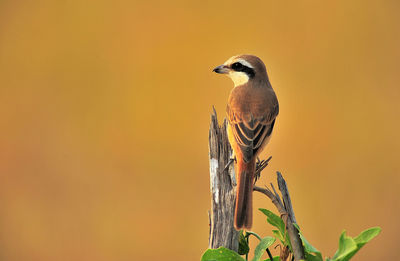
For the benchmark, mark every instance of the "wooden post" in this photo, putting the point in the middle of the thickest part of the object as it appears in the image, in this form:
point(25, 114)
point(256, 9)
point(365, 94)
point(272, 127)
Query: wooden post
point(223, 188)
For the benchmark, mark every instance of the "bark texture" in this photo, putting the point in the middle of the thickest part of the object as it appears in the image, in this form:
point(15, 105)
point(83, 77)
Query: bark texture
point(223, 188)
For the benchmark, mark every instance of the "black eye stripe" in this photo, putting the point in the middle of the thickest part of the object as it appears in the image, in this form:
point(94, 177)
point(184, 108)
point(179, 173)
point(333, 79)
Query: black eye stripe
point(243, 68)
point(237, 66)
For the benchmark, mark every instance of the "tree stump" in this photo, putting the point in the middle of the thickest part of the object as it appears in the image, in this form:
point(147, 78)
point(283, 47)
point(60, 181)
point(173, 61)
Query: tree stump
point(222, 187)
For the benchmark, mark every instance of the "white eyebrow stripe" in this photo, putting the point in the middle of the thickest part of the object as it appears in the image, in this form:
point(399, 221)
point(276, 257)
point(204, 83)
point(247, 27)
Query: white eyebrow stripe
point(245, 63)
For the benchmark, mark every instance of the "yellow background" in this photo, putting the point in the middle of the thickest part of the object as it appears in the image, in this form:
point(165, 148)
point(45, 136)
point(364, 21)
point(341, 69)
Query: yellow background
point(104, 115)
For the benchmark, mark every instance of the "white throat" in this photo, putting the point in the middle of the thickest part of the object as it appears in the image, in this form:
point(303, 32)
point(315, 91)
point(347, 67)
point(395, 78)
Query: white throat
point(238, 78)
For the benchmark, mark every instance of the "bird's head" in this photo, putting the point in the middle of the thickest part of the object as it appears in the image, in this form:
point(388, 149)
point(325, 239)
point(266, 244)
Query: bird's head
point(243, 68)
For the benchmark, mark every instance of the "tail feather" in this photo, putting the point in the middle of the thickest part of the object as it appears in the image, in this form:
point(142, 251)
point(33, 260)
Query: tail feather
point(244, 195)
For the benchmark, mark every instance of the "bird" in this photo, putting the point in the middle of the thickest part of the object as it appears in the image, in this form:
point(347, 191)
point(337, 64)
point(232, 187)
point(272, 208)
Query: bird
point(251, 111)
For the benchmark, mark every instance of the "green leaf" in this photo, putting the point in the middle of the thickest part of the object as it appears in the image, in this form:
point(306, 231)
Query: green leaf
point(221, 254)
point(346, 247)
point(243, 245)
point(368, 234)
point(275, 258)
point(309, 249)
point(262, 246)
point(360, 240)
point(278, 235)
point(274, 220)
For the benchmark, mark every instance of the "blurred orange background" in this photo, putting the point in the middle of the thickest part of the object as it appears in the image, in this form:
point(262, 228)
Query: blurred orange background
point(105, 108)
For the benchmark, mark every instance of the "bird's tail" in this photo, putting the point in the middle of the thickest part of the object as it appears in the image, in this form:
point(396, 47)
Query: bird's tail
point(244, 194)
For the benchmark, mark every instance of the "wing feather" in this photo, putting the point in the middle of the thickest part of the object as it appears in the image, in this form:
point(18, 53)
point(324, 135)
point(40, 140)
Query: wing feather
point(250, 134)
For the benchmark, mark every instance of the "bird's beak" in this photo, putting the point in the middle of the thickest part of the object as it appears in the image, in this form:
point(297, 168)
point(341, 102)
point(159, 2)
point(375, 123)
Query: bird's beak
point(221, 69)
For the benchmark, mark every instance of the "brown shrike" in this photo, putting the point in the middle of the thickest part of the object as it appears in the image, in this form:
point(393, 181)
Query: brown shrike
point(252, 109)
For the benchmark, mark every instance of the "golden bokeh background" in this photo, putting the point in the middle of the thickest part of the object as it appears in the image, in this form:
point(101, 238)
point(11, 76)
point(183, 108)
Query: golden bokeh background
point(104, 116)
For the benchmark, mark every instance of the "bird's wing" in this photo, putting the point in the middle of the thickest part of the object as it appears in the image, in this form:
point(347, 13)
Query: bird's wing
point(250, 131)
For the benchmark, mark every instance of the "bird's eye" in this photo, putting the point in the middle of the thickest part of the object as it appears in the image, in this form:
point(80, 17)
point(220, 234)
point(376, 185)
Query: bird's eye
point(237, 66)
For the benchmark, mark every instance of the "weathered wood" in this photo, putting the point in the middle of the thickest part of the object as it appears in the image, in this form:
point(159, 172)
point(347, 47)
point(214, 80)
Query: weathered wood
point(294, 236)
point(223, 188)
